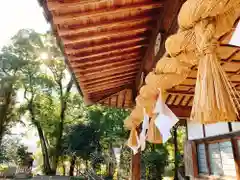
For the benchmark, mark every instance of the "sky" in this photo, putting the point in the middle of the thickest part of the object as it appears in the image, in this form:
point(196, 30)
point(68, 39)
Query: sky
point(16, 15)
point(235, 40)
point(19, 14)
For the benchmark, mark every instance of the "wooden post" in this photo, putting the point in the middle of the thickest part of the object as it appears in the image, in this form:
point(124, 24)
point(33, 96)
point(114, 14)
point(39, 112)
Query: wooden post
point(175, 153)
point(236, 157)
point(136, 166)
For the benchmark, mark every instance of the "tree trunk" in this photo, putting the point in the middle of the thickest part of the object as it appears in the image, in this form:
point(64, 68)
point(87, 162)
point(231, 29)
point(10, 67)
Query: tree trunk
point(63, 168)
point(111, 161)
point(4, 111)
point(86, 164)
point(46, 162)
point(63, 100)
point(72, 166)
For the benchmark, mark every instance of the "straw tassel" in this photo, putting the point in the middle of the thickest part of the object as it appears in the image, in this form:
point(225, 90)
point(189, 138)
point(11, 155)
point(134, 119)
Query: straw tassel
point(214, 95)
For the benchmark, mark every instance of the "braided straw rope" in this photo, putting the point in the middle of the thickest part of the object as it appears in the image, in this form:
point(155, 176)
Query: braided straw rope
point(201, 24)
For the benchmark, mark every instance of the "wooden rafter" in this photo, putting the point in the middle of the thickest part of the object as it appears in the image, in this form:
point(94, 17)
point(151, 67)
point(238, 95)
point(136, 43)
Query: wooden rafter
point(109, 86)
point(108, 71)
point(122, 23)
point(110, 78)
point(105, 35)
point(117, 44)
point(71, 18)
point(108, 53)
point(87, 64)
point(106, 83)
point(106, 67)
point(110, 74)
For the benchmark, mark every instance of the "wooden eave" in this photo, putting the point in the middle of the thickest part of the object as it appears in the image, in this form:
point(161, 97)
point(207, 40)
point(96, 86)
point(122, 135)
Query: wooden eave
point(108, 44)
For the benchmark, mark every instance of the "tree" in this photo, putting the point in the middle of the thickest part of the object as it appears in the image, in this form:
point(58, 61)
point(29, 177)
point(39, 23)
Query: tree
point(21, 154)
point(155, 158)
point(50, 86)
point(10, 66)
point(9, 149)
point(80, 140)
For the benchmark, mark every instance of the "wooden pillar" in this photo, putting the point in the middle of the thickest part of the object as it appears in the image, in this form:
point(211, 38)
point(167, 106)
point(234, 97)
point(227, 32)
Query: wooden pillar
point(236, 157)
point(175, 153)
point(136, 166)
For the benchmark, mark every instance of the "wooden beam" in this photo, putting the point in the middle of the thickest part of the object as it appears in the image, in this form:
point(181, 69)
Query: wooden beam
point(122, 23)
point(107, 71)
point(175, 143)
point(107, 46)
point(121, 71)
point(105, 35)
point(114, 85)
point(108, 53)
point(99, 81)
point(185, 93)
point(55, 5)
point(118, 76)
point(72, 18)
point(97, 62)
point(235, 150)
point(189, 100)
point(108, 66)
point(181, 111)
point(106, 83)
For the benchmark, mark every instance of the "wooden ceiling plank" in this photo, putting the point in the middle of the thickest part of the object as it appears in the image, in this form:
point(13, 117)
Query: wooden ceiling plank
point(104, 46)
point(54, 5)
point(105, 35)
point(99, 80)
point(109, 53)
point(87, 64)
point(110, 74)
point(73, 17)
point(105, 83)
point(129, 22)
point(107, 65)
point(104, 51)
point(111, 70)
point(108, 87)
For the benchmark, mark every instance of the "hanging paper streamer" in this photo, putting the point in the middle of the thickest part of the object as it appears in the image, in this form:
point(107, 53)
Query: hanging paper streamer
point(165, 120)
point(153, 135)
point(133, 141)
point(145, 126)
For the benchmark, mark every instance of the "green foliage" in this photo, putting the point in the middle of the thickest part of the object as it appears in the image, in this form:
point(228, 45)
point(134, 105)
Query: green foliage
point(21, 154)
point(155, 159)
point(9, 149)
point(81, 140)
